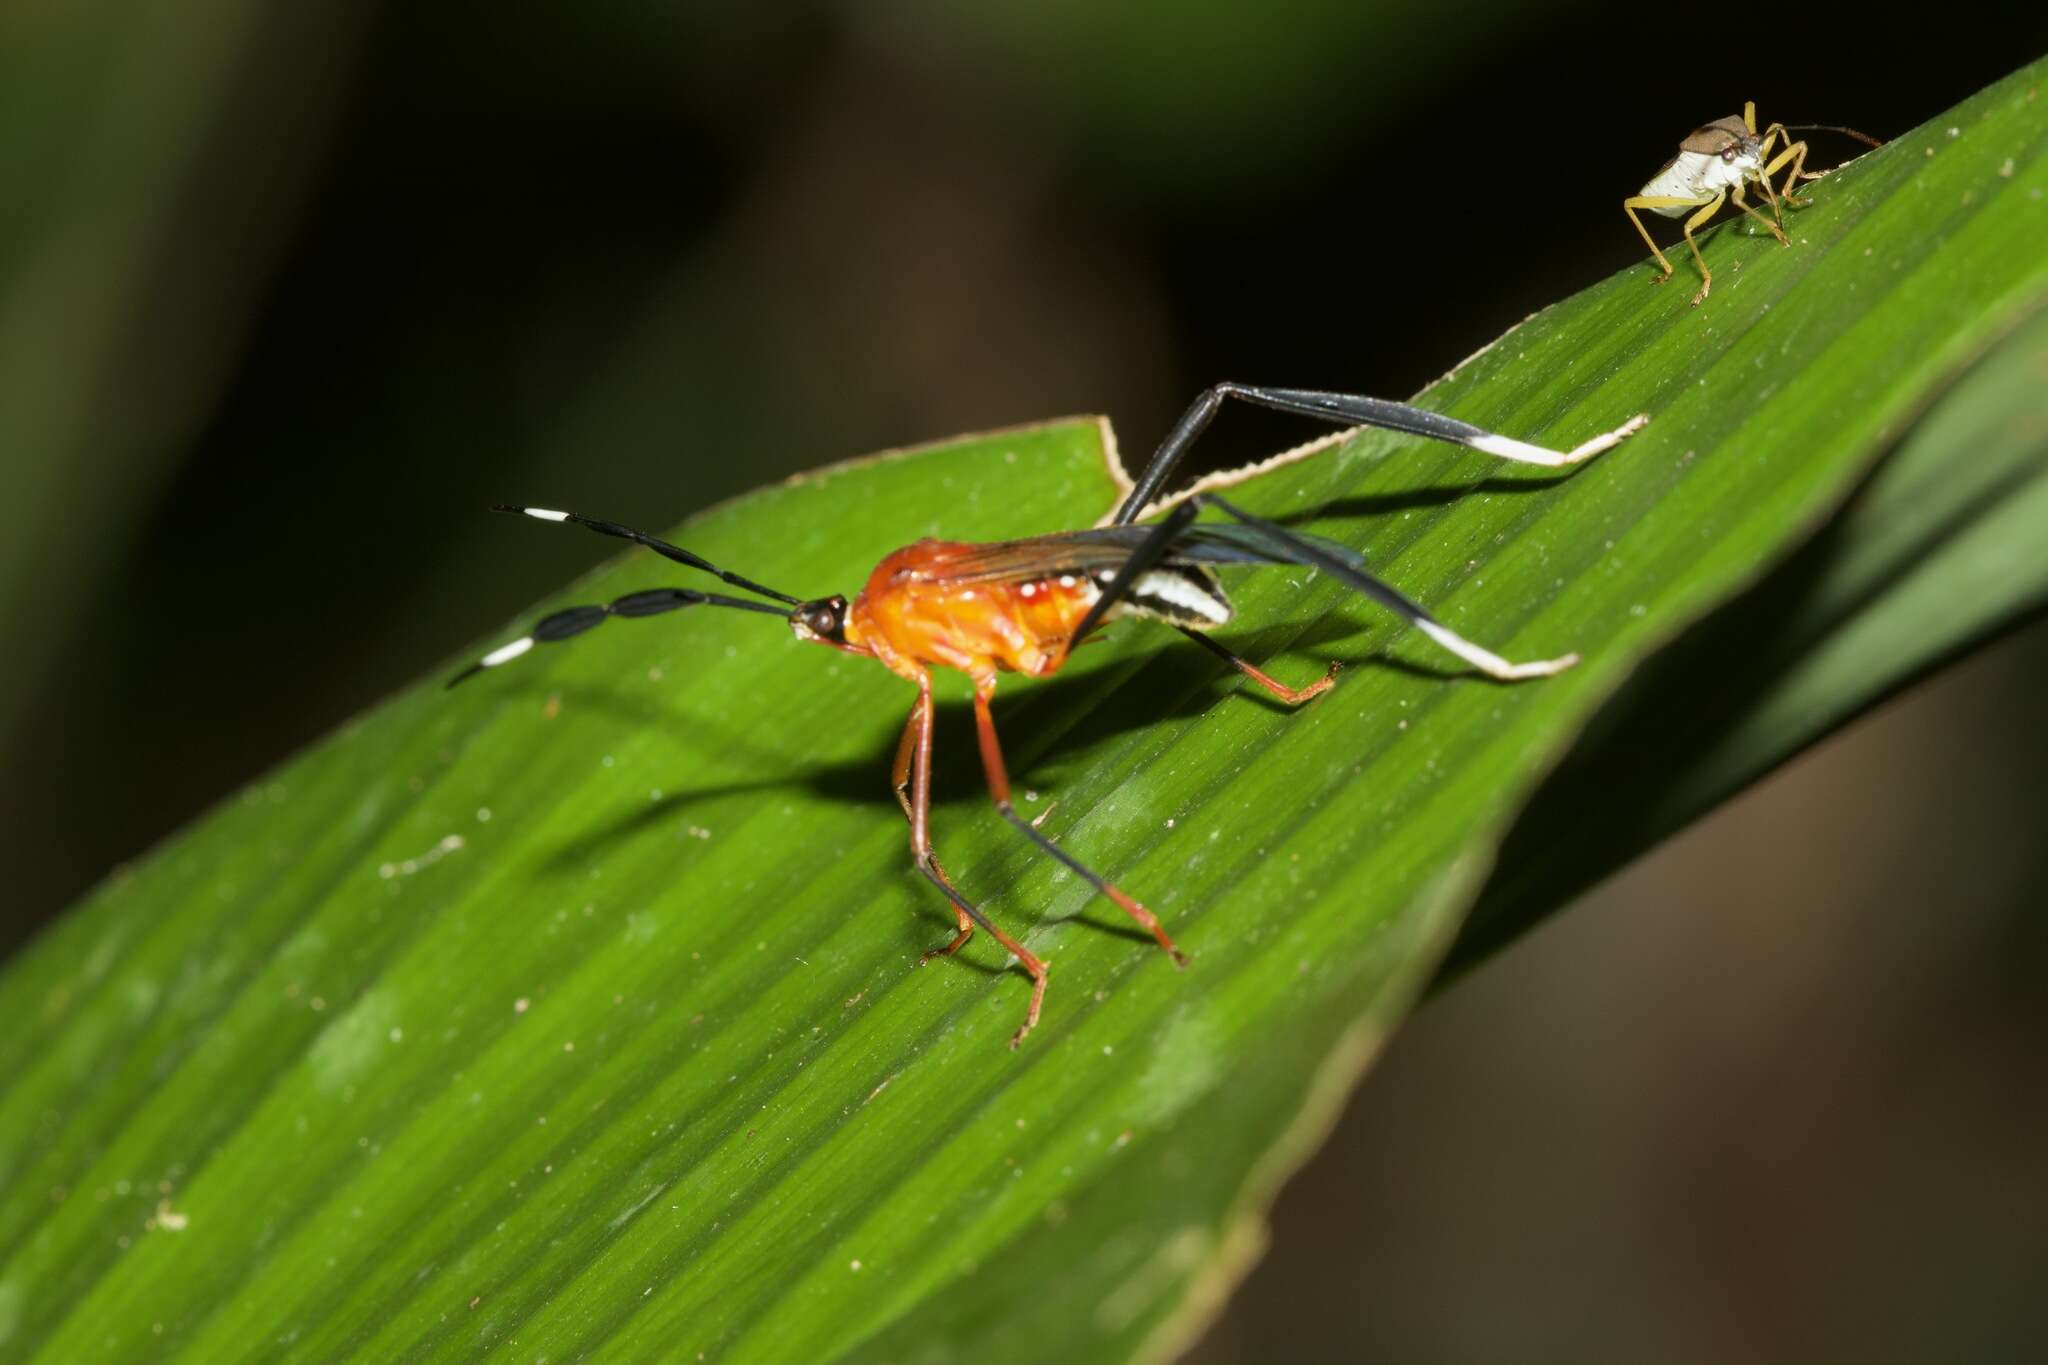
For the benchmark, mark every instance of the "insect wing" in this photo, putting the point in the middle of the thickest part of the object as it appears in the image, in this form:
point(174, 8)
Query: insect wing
point(1105, 549)
point(1081, 553)
point(1717, 137)
point(1222, 543)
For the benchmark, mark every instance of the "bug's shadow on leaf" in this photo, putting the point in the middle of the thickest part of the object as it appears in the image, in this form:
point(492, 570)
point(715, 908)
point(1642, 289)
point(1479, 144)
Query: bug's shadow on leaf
point(1044, 727)
point(1370, 639)
point(956, 780)
point(1365, 654)
point(848, 781)
point(1367, 505)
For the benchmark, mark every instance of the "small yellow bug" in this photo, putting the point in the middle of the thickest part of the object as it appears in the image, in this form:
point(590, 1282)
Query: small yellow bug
point(1715, 163)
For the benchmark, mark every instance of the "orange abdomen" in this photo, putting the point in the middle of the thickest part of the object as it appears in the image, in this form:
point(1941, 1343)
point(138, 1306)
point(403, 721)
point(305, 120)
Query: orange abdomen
point(913, 609)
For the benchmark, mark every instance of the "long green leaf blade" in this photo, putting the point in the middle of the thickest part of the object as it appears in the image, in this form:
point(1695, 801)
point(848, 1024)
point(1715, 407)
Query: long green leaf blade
point(575, 1012)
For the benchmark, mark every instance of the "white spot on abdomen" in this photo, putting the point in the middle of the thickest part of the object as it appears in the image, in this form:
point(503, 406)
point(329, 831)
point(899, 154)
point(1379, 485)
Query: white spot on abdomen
point(1182, 593)
point(1697, 176)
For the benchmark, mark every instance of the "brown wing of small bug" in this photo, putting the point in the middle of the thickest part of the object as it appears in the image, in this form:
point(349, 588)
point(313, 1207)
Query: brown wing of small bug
point(1718, 137)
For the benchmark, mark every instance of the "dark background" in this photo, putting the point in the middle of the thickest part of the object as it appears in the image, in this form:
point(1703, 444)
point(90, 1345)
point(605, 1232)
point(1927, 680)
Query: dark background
point(288, 294)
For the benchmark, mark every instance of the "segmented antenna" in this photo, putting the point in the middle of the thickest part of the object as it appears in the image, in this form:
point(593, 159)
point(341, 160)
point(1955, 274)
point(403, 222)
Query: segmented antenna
point(659, 546)
point(572, 621)
point(1833, 128)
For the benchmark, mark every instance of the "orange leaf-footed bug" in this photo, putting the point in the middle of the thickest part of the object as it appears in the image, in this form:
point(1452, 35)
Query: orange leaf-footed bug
point(1716, 163)
point(1022, 605)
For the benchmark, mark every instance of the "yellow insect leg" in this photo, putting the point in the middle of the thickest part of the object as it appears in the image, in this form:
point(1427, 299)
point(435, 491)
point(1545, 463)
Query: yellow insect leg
point(1706, 275)
point(1795, 153)
point(1662, 201)
point(1750, 209)
point(1763, 179)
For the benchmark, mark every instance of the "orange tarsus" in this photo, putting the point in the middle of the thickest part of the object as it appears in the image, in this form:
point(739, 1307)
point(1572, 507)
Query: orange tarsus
point(1293, 696)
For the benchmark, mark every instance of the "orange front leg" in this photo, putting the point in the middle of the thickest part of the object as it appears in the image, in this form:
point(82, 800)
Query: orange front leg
point(918, 744)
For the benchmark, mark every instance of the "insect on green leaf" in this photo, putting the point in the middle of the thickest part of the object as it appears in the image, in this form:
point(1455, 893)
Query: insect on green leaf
point(575, 1014)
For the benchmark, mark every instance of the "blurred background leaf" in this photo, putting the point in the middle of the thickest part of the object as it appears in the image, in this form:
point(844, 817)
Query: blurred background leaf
point(285, 297)
point(150, 164)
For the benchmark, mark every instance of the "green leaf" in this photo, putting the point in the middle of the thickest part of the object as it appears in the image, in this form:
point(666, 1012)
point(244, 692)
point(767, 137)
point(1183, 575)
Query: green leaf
point(577, 1010)
point(1940, 551)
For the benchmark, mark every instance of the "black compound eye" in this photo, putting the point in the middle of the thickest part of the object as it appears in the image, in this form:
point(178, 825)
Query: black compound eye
point(1728, 155)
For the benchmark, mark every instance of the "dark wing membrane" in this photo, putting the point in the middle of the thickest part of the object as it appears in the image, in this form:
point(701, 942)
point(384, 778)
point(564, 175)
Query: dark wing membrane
point(1105, 548)
point(1224, 543)
point(1014, 561)
point(1716, 137)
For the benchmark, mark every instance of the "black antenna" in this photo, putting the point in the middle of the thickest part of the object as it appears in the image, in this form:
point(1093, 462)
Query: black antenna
point(571, 621)
point(660, 547)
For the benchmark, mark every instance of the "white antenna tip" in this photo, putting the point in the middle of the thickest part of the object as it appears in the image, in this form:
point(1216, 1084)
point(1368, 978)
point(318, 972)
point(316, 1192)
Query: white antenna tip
point(505, 654)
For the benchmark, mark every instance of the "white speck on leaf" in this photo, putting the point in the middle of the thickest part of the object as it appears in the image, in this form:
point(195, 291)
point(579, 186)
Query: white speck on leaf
point(451, 843)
